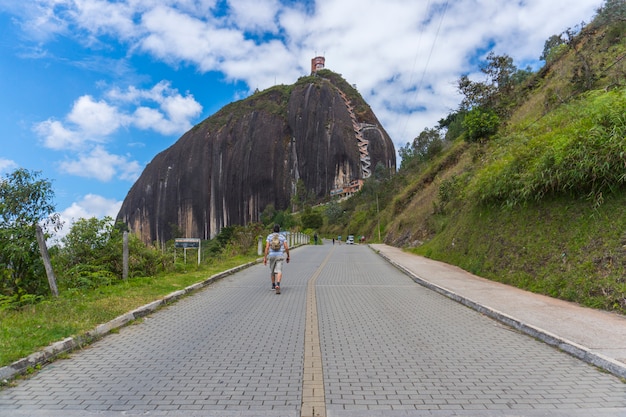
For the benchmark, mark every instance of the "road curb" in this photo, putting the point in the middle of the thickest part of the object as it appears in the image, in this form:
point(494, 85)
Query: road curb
point(65, 346)
point(581, 352)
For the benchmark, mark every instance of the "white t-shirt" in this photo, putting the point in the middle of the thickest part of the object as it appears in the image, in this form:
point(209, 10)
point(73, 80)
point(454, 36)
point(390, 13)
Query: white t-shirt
point(273, 252)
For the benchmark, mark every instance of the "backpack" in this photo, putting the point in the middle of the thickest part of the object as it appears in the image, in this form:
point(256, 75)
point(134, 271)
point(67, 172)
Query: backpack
point(275, 242)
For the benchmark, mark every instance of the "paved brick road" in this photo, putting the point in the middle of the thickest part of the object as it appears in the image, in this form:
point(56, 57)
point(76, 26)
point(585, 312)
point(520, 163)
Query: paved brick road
point(389, 347)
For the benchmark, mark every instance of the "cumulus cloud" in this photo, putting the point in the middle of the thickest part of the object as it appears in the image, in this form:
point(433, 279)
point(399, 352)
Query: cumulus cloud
point(254, 15)
point(92, 205)
point(161, 109)
point(95, 118)
point(101, 165)
point(56, 136)
point(88, 127)
point(39, 19)
point(172, 113)
point(7, 165)
point(88, 206)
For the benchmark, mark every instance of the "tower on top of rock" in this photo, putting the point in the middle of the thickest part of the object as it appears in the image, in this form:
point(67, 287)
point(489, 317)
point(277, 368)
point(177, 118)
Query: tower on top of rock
point(317, 64)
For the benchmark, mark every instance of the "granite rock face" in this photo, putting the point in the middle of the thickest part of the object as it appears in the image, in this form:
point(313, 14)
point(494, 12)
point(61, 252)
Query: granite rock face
point(251, 153)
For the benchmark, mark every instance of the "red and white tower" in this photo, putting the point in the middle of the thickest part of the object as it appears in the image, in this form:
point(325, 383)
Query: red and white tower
point(317, 64)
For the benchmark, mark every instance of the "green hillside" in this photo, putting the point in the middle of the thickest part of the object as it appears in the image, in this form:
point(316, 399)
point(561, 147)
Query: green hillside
point(526, 182)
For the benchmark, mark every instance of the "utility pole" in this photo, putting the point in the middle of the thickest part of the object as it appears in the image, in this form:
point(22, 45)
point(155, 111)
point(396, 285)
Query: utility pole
point(378, 217)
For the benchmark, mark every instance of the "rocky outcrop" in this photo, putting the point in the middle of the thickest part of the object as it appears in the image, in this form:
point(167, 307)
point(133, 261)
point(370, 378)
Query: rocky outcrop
point(252, 153)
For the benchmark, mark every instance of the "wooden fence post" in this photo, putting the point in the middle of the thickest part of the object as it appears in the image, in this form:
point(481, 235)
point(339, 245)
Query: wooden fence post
point(125, 256)
point(43, 249)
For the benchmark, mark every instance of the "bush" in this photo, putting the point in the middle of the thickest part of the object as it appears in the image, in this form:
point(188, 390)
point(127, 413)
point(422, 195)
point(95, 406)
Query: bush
point(480, 124)
point(311, 219)
point(91, 255)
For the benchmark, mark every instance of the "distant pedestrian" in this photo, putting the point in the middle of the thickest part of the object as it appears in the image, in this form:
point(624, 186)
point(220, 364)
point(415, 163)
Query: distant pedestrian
point(333, 241)
point(276, 248)
point(315, 238)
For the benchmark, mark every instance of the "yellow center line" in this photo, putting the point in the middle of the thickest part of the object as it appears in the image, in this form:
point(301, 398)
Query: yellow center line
point(313, 399)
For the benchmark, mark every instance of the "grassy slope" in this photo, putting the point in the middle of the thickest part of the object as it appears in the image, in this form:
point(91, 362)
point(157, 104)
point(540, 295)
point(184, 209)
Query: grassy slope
point(560, 247)
point(564, 245)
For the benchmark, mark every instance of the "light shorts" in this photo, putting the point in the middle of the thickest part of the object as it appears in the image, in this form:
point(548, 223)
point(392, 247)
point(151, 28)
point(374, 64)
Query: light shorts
point(276, 264)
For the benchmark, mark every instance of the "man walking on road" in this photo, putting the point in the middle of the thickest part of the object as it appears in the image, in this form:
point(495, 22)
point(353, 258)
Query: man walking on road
point(276, 247)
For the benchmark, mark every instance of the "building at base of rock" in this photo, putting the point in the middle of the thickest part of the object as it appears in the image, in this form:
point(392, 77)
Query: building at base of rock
point(347, 190)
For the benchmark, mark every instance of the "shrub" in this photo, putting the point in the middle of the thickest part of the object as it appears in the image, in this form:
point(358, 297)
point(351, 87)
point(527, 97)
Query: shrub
point(480, 124)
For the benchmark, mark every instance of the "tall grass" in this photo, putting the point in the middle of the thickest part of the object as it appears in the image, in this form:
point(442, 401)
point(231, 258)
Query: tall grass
point(580, 148)
point(560, 247)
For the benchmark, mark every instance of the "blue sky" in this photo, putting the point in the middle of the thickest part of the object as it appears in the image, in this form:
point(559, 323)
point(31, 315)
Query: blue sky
point(92, 90)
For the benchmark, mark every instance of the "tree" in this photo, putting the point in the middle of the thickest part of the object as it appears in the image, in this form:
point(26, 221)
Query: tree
point(552, 48)
point(424, 147)
point(612, 15)
point(86, 239)
point(481, 124)
point(381, 172)
point(428, 144)
point(311, 219)
point(299, 198)
point(90, 254)
point(613, 11)
point(498, 93)
point(333, 212)
point(25, 201)
point(285, 219)
point(268, 214)
point(452, 125)
point(407, 156)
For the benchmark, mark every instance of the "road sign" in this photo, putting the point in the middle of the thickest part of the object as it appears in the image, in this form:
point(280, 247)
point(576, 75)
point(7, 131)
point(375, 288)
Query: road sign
point(187, 243)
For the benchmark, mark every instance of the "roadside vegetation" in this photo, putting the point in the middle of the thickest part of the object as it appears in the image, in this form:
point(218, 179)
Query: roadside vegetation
point(524, 183)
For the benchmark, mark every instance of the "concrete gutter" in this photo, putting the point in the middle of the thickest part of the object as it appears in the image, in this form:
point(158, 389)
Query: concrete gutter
point(572, 328)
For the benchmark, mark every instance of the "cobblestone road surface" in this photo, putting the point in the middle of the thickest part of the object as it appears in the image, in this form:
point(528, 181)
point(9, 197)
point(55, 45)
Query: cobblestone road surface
point(389, 348)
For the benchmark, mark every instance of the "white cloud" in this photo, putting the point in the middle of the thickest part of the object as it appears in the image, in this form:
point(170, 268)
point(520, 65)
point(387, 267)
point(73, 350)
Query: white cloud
point(39, 19)
point(101, 16)
point(254, 15)
point(56, 136)
point(92, 121)
point(7, 165)
point(88, 121)
point(95, 118)
point(90, 205)
point(173, 114)
point(101, 165)
point(90, 124)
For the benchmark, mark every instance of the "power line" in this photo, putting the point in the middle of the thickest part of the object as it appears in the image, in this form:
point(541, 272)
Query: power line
point(432, 48)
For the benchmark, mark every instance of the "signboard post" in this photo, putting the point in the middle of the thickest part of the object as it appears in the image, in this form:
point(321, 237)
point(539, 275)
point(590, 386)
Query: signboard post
point(188, 243)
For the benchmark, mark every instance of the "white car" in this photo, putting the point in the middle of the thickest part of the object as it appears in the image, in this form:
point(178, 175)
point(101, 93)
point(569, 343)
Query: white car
point(350, 240)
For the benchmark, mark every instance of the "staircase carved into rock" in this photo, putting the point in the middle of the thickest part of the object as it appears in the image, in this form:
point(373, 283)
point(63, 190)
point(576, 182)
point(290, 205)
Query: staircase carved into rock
point(362, 143)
